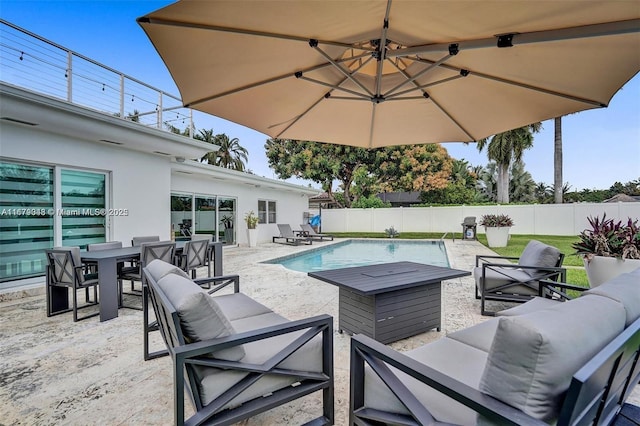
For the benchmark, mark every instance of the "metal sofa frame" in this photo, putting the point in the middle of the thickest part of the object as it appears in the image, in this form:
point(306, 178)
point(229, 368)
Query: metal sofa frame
point(595, 397)
point(186, 356)
point(501, 293)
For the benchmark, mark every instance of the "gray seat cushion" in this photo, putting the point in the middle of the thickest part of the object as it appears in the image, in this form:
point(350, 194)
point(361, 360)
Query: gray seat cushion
point(480, 336)
point(624, 288)
point(200, 316)
point(213, 381)
point(238, 305)
point(538, 254)
point(496, 277)
point(533, 305)
point(457, 360)
point(534, 356)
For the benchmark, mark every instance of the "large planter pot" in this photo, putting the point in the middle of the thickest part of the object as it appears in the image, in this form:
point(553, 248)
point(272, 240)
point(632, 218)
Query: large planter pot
point(497, 236)
point(252, 237)
point(600, 269)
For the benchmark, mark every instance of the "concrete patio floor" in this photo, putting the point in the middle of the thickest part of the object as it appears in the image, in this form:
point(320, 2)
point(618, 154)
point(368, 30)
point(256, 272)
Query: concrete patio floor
point(55, 371)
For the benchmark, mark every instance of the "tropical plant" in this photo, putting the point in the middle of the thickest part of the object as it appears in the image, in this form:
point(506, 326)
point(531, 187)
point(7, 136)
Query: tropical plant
point(251, 219)
point(227, 221)
point(391, 232)
point(521, 184)
point(370, 202)
point(505, 148)
point(230, 155)
point(496, 220)
point(609, 238)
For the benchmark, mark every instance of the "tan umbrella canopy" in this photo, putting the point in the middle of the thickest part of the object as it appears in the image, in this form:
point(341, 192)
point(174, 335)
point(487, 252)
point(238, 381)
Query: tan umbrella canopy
point(379, 73)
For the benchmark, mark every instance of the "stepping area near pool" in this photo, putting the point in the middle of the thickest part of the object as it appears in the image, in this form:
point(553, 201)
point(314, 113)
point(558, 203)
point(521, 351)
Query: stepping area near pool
point(54, 371)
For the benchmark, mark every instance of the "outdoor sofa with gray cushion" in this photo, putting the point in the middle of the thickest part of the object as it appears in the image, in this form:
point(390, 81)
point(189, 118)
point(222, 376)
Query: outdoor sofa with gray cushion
point(498, 279)
point(236, 357)
point(572, 362)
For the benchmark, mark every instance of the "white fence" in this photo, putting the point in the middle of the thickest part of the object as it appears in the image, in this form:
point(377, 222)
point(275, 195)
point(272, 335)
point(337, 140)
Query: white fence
point(537, 219)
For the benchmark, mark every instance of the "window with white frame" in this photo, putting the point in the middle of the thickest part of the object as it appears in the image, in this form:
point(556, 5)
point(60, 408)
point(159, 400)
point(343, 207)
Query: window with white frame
point(266, 211)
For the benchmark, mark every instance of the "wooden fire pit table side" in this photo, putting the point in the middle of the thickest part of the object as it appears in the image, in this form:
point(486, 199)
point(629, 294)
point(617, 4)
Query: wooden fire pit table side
point(389, 301)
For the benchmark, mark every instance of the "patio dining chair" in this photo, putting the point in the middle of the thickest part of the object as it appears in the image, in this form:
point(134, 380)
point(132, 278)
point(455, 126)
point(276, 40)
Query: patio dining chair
point(498, 279)
point(286, 234)
point(195, 255)
point(65, 272)
point(163, 250)
point(311, 233)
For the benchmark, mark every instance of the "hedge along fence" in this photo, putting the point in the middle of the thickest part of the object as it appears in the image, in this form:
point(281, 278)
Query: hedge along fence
point(533, 219)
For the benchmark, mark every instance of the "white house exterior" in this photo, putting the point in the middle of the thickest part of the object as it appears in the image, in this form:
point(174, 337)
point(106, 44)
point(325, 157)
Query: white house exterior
point(52, 153)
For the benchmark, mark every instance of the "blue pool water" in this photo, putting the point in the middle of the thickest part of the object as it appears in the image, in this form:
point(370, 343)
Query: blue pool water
point(366, 252)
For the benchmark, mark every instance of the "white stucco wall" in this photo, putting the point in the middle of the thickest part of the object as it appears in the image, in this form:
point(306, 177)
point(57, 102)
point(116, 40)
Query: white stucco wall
point(139, 182)
point(290, 205)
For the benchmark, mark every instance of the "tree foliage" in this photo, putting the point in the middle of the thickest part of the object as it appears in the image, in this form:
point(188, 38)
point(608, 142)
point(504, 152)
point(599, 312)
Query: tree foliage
point(399, 168)
point(507, 148)
point(230, 154)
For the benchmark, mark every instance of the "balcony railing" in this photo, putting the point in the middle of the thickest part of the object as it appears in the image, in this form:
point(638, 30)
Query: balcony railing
point(35, 63)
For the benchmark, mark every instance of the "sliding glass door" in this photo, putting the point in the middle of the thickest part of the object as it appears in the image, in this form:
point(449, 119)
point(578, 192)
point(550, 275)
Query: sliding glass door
point(45, 206)
point(204, 214)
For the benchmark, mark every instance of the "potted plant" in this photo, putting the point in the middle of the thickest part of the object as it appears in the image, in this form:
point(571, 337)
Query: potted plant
point(608, 248)
point(227, 222)
point(252, 233)
point(496, 228)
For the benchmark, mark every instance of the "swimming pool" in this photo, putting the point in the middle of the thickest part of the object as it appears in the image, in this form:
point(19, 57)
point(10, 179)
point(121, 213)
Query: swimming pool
point(365, 252)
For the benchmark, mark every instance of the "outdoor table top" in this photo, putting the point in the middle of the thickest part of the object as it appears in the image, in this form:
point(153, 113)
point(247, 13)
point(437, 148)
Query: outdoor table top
point(125, 252)
point(385, 277)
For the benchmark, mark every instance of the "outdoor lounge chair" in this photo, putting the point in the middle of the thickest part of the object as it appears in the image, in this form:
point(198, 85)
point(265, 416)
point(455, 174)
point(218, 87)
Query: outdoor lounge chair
point(308, 231)
point(286, 234)
point(236, 357)
point(497, 279)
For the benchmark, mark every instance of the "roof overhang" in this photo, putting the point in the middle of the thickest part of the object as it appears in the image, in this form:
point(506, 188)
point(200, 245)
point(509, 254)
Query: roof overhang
point(223, 174)
point(31, 109)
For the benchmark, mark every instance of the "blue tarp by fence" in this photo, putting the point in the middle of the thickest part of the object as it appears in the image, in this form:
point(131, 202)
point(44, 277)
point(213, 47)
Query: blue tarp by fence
point(315, 220)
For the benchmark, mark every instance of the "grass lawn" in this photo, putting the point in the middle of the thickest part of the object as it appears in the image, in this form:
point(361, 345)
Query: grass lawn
point(575, 270)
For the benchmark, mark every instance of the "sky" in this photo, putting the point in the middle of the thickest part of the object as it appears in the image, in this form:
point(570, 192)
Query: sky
point(600, 146)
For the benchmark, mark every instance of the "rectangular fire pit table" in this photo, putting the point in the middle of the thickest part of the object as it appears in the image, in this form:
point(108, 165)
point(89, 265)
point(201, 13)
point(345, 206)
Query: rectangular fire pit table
point(389, 301)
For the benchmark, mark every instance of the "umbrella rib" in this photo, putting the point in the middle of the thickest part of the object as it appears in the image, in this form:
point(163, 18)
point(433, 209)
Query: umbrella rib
point(269, 80)
point(445, 112)
point(516, 83)
point(322, 83)
point(339, 68)
point(423, 86)
point(181, 24)
point(508, 40)
point(426, 95)
point(411, 79)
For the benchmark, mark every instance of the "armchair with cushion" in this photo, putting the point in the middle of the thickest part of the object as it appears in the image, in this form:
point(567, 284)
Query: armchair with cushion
point(498, 279)
point(236, 357)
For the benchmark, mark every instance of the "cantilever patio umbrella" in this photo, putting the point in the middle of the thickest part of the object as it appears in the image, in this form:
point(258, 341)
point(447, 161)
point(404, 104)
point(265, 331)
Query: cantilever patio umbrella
point(378, 73)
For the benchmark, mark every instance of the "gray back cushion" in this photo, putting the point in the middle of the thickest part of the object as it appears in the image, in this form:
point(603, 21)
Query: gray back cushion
point(624, 288)
point(538, 254)
point(158, 269)
point(534, 356)
point(200, 316)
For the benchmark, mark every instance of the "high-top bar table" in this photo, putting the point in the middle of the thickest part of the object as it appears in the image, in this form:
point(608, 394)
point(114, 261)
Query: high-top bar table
point(389, 301)
point(107, 261)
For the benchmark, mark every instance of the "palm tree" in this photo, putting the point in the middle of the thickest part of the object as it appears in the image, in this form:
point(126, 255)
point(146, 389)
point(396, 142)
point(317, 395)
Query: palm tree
point(207, 136)
point(505, 148)
point(521, 184)
point(231, 154)
point(557, 161)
